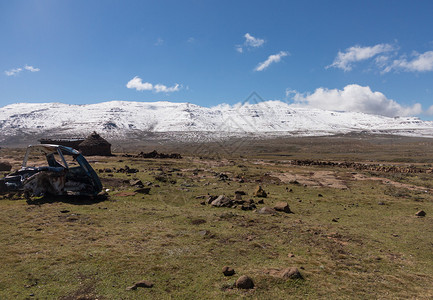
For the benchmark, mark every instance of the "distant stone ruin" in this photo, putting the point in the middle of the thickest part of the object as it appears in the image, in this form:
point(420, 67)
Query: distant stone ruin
point(94, 144)
point(154, 154)
point(73, 143)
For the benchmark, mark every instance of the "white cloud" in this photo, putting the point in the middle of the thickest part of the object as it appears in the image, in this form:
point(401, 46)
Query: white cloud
point(162, 88)
point(16, 71)
point(429, 111)
point(419, 63)
point(31, 68)
point(250, 42)
point(138, 84)
point(271, 59)
point(13, 72)
point(354, 98)
point(344, 60)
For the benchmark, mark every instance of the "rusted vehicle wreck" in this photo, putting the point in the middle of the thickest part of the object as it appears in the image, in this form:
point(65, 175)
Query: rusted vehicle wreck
point(67, 173)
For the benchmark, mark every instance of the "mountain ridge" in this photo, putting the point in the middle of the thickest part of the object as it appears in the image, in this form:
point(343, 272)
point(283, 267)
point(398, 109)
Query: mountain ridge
point(123, 119)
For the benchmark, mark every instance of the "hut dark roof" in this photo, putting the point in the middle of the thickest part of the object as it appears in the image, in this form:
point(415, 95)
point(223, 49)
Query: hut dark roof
point(94, 140)
point(94, 144)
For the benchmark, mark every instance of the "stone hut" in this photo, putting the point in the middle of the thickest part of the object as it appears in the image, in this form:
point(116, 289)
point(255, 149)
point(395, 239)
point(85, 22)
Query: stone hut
point(94, 144)
point(73, 142)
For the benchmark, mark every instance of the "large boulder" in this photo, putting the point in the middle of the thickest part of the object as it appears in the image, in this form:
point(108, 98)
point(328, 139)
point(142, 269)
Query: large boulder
point(5, 166)
point(244, 282)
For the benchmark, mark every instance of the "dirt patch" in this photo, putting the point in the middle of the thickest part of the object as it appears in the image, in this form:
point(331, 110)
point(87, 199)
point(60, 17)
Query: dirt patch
point(386, 181)
point(314, 179)
point(86, 292)
point(125, 194)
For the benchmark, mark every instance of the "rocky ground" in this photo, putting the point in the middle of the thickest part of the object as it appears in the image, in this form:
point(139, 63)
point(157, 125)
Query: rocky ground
point(197, 227)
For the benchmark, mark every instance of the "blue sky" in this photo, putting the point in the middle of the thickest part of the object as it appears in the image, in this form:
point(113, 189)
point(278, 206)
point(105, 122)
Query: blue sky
point(369, 56)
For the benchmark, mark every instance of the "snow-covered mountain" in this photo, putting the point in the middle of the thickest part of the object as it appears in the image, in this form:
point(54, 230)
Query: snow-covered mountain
point(122, 119)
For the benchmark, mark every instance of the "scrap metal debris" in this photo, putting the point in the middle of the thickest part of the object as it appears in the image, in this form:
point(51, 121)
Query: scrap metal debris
point(57, 177)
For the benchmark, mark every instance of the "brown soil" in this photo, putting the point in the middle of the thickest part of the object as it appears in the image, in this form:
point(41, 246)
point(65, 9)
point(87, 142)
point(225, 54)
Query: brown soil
point(315, 179)
point(387, 181)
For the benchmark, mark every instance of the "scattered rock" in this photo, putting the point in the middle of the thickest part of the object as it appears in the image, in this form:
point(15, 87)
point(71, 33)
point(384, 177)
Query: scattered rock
point(259, 192)
point(136, 182)
point(5, 166)
point(161, 178)
point(155, 154)
point(238, 197)
point(291, 273)
point(222, 177)
point(283, 206)
point(288, 273)
point(290, 255)
point(128, 170)
point(248, 206)
point(103, 194)
point(381, 203)
point(143, 190)
point(227, 271)
point(143, 284)
point(261, 201)
point(222, 201)
point(242, 193)
point(267, 211)
point(319, 195)
point(244, 282)
point(420, 213)
point(210, 199)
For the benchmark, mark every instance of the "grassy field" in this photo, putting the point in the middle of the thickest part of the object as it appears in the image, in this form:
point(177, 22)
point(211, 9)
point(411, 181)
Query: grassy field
point(352, 235)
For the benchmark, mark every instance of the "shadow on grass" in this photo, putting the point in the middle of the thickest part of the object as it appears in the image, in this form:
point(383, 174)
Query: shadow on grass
point(75, 200)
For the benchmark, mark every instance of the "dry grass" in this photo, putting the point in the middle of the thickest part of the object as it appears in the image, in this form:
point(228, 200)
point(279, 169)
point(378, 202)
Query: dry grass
point(346, 243)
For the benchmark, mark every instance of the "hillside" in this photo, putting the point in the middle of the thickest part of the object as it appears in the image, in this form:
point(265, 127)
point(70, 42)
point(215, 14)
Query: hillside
point(122, 120)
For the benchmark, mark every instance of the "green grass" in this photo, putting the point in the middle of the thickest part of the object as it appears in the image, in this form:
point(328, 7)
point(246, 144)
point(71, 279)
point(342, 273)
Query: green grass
point(96, 250)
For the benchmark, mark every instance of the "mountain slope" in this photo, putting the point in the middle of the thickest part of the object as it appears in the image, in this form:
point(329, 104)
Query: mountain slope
point(123, 119)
